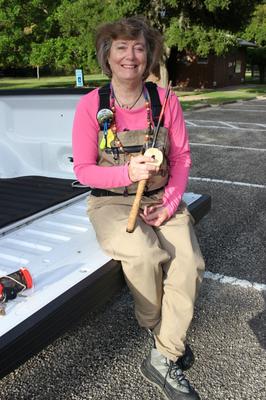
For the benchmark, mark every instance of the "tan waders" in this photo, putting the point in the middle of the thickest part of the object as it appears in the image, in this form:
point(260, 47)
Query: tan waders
point(163, 266)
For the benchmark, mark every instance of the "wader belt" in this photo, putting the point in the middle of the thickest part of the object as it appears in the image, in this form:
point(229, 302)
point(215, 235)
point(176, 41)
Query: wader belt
point(103, 193)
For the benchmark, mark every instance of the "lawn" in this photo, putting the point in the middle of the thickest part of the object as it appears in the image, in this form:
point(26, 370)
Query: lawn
point(50, 82)
point(188, 98)
point(220, 96)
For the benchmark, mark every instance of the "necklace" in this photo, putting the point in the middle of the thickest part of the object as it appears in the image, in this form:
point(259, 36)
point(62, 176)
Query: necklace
point(113, 126)
point(128, 107)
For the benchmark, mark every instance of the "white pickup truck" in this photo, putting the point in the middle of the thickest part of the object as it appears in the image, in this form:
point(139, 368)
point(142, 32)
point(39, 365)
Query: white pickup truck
point(43, 224)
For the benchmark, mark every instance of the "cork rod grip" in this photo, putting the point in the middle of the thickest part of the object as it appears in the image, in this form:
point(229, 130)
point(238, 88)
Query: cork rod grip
point(135, 206)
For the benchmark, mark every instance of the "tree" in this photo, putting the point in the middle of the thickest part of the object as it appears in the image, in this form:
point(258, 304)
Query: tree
point(256, 29)
point(256, 32)
point(60, 33)
point(199, 27)
point(79, 20)
point(22, 23)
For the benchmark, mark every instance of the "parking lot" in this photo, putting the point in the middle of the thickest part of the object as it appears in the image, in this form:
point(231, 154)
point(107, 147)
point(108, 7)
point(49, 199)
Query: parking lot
point(99, 358)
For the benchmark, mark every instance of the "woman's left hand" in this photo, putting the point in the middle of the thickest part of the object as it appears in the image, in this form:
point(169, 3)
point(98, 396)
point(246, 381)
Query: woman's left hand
point(155, 215)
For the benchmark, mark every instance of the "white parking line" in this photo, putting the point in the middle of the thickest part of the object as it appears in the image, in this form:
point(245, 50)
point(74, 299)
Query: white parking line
point(227, 124)
point(234, 281)
point(226, 182)
point(243, 126)
point(248, 105)
point(225, 127)
point(191, 123)
point(226, 147)
point(253, 103)
point(238, 109)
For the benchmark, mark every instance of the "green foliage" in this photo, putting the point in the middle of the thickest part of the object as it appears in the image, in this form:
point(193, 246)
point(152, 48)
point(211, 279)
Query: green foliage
point(231, 15)
point(60, 33)
point(198, 39)
point(213, 5)
point(61, 54)
point(256, 30)
point(201, 26)
point(79, 20)
point(21, 23)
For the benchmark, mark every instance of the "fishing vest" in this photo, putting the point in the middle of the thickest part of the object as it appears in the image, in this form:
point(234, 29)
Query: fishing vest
point(133, 143)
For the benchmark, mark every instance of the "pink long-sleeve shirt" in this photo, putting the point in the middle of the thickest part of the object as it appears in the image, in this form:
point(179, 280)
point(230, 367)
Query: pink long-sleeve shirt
point(85, 146)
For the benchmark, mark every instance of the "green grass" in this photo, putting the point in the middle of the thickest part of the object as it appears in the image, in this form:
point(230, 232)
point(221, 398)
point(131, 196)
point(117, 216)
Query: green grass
point(221, 96)
point(50, 82)
point(188, 98)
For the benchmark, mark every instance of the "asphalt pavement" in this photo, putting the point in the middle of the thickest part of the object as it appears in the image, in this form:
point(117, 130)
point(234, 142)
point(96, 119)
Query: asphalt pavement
point(99, 358)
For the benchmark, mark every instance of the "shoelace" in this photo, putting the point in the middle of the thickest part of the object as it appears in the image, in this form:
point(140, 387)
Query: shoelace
point(175, 372)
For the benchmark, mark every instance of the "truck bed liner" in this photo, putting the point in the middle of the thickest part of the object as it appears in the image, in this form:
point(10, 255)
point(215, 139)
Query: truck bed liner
point(24, 196)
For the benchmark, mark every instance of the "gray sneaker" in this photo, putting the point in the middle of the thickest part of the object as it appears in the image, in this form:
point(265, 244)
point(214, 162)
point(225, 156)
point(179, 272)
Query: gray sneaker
point(168, 376)
point(186, 360)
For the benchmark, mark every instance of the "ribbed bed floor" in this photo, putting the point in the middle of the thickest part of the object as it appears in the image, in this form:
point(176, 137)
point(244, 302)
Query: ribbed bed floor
point(26, 195)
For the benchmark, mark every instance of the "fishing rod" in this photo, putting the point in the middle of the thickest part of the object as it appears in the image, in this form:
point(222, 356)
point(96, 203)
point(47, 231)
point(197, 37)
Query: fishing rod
point(157, 156)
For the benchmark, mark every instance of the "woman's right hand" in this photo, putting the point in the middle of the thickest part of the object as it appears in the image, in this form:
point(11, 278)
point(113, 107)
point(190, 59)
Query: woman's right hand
point(141, 167)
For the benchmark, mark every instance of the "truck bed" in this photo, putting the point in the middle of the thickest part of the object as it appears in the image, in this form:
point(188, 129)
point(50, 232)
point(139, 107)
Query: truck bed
point(70, 272)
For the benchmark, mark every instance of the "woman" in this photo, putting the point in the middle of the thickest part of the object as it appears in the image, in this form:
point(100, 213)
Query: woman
point(161, 259)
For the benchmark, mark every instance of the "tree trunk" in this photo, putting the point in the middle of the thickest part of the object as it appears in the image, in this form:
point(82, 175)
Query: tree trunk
point(262, 73)
point(163, 75)
point(252, 71)
point(38, 71)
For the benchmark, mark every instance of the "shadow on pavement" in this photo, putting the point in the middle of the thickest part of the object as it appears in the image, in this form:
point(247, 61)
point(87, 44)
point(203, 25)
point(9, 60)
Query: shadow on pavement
point(258, 325)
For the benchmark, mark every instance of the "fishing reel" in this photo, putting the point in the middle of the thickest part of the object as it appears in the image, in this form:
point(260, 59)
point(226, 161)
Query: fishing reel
point(105, 118)
point(12, 284)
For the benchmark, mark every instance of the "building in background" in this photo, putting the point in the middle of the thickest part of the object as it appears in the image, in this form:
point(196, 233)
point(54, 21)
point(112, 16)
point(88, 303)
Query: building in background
point(192, 71)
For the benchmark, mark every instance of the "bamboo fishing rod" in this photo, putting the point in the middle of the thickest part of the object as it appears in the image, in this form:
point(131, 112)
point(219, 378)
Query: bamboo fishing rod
point(157, 155)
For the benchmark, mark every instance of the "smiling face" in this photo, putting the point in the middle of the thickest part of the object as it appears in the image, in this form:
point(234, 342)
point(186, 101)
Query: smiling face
point(128, 59)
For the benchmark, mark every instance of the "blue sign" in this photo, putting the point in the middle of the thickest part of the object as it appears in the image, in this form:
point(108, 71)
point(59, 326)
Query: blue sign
point(79, 78)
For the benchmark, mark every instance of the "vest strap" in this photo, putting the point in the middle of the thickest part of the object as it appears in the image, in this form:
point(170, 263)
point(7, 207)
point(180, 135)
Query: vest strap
point(104, 95)
point(155, 102)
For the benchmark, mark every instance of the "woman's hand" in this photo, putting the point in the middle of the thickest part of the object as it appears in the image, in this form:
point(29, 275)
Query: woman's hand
point(140, 167)
point(155, 215)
